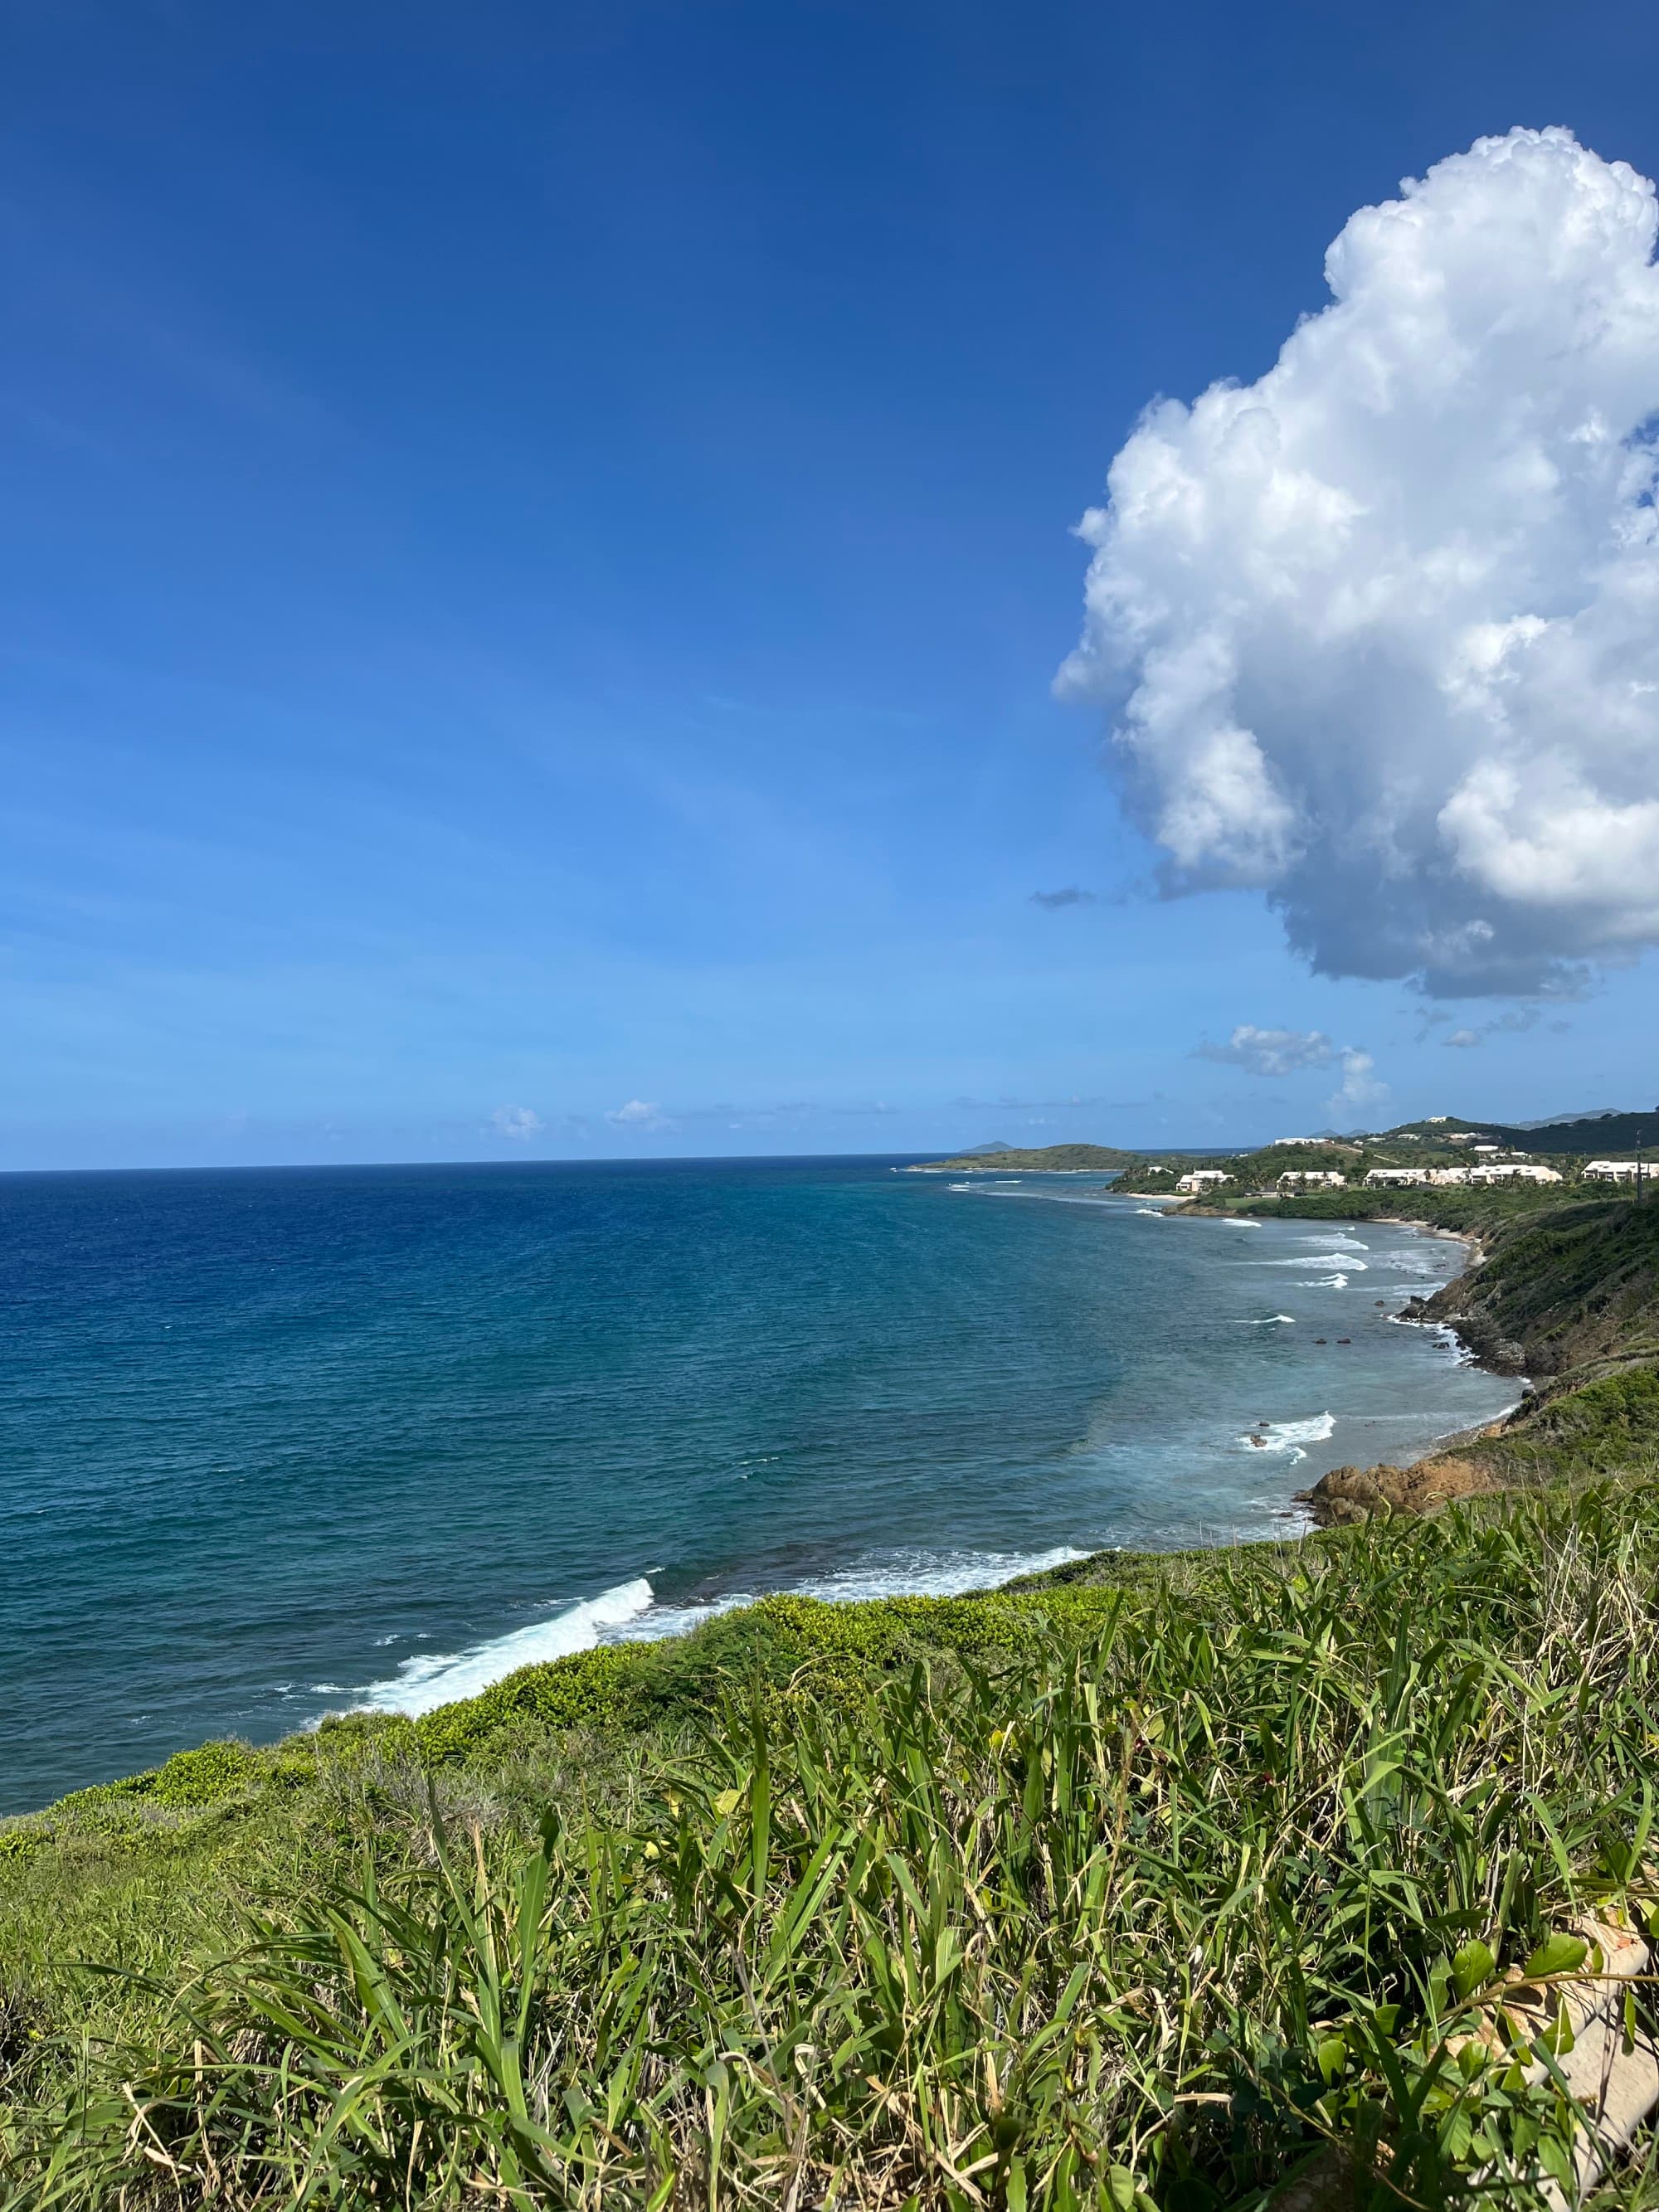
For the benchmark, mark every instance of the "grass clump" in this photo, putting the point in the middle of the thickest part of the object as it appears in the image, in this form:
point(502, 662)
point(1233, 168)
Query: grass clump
point(1127, 1892)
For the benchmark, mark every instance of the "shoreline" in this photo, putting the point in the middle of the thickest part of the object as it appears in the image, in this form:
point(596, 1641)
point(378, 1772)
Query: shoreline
point(689, 1610)
point(1318, 1508)
point(581, 1620)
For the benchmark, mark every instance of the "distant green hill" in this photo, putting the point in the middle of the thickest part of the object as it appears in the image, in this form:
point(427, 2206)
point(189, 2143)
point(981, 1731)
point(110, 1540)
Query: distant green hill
point(1049, 1156)
point(1601, 1135)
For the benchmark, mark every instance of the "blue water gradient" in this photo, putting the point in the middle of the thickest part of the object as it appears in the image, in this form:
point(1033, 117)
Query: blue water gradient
point(273, 1441)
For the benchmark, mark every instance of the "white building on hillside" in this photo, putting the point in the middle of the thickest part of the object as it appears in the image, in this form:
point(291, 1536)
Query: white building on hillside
point(1513, 1171)
point(1312, 1179)
point(1396, 1178)
point(1610, 1171)
point(1448, 1174)
point(1203, 1179)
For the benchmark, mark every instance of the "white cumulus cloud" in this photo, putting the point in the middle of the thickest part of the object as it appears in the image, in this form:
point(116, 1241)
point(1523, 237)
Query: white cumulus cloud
point(1380, 630)
point(638, 1114)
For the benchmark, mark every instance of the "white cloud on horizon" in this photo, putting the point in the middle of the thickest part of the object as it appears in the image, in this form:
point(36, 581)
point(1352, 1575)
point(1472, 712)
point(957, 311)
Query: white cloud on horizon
point(1382, 629)
point(640, 1114)
point(518, 1124)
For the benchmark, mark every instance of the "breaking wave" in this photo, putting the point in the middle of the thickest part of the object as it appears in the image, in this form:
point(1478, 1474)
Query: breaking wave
point(1290, 1437)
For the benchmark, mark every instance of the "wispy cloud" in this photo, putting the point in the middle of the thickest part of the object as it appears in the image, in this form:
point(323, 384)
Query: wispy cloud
point(1270, 1052)
point(1073, 894)
point(1516, 1021)
point(518, 1124)
point(1359, 1087)
point(1275, 1054)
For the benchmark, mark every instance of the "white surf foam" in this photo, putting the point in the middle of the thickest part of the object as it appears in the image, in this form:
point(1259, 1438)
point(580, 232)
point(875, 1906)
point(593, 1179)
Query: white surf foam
point(1323, 1258)
point(932, 1574)
point(438, 1678)
point(1325, 1283)
point(628, 1613)
point(1267, 1320)
point(1291, 1438)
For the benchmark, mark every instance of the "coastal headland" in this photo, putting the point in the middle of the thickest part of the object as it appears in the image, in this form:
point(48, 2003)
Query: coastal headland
point(1156, 1879)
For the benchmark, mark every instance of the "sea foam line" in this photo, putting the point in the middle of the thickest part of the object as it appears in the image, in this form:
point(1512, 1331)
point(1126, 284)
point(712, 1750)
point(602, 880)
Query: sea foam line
point(439, 1679)
point(1327, 1258)
point(628, 1613)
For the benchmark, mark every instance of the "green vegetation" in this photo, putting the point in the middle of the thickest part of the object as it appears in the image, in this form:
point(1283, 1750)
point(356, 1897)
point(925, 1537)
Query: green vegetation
point(1574, 1284)
point(1600, 1136)
point(1133, 1887)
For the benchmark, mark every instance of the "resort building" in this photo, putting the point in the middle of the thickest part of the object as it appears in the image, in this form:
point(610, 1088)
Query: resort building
point(1202, 1179)
point(1611, 1171)
point(1312, 1179)
point(1447, 1174)
point(1396, 1178)
point(1513, 1171)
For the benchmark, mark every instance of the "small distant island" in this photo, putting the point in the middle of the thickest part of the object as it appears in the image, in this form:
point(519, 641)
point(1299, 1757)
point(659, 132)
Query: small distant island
point(1051, 1160)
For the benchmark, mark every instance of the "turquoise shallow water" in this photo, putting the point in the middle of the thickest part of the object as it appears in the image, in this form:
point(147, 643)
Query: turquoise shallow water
point(275, 1442)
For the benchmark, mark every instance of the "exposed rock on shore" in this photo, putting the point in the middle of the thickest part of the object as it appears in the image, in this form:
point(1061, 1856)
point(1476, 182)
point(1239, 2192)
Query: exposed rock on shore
point(1358, 1493)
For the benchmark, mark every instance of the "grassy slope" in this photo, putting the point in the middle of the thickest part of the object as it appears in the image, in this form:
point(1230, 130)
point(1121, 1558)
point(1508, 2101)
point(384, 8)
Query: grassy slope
point(1145, 1884)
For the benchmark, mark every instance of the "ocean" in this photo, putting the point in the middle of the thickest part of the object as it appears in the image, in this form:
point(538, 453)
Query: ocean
point(274, 1442)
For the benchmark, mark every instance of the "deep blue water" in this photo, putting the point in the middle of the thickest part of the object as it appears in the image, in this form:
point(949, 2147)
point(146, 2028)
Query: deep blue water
point(273, 1442)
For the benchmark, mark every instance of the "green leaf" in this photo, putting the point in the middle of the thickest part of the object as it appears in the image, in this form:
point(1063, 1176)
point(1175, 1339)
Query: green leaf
point(1120, 2187)
point(1552, 2157)
point(1472, 1967)
point(1557, 1954)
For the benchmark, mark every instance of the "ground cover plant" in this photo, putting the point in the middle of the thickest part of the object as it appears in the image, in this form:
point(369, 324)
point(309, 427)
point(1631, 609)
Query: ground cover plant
point(1135, 1888)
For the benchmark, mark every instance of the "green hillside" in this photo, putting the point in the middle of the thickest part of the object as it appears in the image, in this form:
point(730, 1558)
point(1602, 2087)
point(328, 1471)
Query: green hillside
point(1603, 1136)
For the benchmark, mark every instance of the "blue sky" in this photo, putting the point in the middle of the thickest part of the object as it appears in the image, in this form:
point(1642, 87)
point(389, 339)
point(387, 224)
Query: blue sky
point(537, 542)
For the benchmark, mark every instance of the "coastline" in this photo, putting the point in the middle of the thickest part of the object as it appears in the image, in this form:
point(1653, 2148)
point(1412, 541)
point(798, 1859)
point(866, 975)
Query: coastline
point(1431, 1479)
point(614, 1613)
point(669, 1621)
